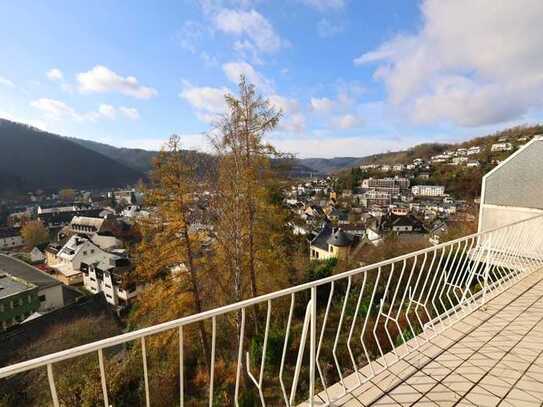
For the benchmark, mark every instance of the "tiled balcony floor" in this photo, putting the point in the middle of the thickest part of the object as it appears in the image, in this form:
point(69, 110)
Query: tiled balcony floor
point(493, 357)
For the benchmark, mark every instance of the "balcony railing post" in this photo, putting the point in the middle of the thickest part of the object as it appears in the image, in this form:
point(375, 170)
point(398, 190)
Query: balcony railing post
point(487, 270)
point(392, 292)
point(313, 345)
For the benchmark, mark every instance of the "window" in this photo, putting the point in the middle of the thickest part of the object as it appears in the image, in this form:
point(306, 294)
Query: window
point(42, 298)
point(108, 296)
point(12, 302)
point(29, 298)
point(108, 286)
point(92, 251)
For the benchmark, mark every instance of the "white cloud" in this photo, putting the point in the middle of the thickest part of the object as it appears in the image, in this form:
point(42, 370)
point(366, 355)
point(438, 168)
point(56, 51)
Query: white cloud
point(347, 121)
point(191, 35)
point(206, 98)
point(294, 123)
point(323, 5)
point(130, 112)
point(327, 29)
point(322, 104)
point(107, 111)
point(58, 110)
point(193, 141)
point(55, 109)
point(257, 31)
point(317, 146)
point(54, 74)
point(209, 102)
point(284, 104)
point(472, 63)
point(233, 71)
point(6, 82)
point(101, 79)
point(293, 120)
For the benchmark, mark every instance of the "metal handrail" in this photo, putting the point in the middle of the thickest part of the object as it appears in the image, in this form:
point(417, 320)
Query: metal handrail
point(458, 255)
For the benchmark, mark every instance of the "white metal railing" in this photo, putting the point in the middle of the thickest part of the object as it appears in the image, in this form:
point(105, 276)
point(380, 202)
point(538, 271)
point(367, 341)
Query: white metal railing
point(351, 320)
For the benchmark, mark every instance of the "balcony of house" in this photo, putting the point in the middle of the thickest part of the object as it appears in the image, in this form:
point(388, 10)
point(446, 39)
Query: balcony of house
point(454, 324)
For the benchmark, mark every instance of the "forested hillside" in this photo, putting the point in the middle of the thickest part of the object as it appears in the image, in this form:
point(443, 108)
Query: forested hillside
point(31, 158)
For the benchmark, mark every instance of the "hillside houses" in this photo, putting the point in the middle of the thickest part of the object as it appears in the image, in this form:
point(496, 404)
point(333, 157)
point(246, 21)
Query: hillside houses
point(504, 146)
point(378, 207)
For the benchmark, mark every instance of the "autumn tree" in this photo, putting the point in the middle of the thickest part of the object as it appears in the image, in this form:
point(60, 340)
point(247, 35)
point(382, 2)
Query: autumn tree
point(248, 226)
point(34, 233)
point(170, 253)
point(67, 195)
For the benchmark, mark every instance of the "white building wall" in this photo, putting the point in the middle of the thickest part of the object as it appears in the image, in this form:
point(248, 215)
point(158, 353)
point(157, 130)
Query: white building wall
point(12, 241)
point(512, 192)
point(53, 298)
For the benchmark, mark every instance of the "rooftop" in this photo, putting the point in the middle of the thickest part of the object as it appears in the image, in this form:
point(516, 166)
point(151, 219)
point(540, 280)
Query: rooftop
point(26, 272)
point(10, 285)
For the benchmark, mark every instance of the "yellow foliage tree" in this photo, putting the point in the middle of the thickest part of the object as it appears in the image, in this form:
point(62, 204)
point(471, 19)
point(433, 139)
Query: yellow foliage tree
point(67, 195)
point(34, 233)
point(170, 254)
point(248, 224)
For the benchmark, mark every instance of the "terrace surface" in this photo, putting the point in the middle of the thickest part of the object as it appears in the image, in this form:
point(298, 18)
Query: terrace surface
point(491, 357)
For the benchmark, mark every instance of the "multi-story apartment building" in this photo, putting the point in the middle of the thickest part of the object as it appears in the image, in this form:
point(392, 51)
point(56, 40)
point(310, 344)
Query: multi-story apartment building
point(428, 190)
point(392, 185)
point(18, 300)
point(111, 277)
point(376, 198)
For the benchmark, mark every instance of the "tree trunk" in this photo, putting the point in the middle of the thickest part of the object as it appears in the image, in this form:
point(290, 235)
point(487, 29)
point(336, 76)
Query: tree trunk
point(196, 294)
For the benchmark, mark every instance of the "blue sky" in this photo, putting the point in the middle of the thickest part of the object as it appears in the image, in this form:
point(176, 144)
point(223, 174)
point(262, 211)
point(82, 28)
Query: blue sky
point(352, 77)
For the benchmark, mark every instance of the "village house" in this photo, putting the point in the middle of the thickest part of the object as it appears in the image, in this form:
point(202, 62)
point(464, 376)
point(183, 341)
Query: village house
point(501, 147)
point(474, 150)
point(402, 224)
point(18, 300)
point(428, 190)
point(10, 238)
point(332, 242)
point(36, 256)
point(439, 229)
point(112, 278)
point(459, 160)
point(77, 250)
point(85, 225)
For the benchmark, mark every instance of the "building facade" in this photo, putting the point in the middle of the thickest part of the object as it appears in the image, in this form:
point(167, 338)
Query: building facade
point(18, 300)
point(428, 190)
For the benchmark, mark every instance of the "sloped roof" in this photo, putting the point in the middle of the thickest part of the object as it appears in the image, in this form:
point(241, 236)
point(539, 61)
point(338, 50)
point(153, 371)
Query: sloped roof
point(26, 272)
point(88, 221)
point(340, 238)
point(321, 240)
